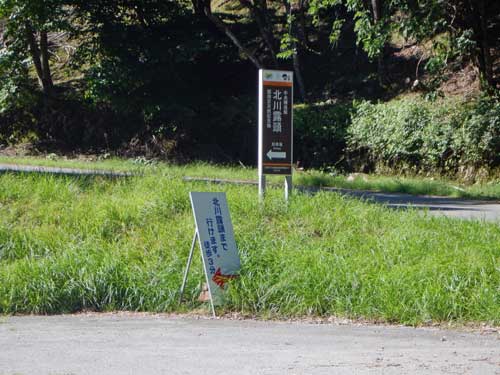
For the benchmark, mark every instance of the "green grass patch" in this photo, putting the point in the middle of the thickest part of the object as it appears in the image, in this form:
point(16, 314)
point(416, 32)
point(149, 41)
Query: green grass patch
point(69, 244)
point(393, 184)
point(401, 184)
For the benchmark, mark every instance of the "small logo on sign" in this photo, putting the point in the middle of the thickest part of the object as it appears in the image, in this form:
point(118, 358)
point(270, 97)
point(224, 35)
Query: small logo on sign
point(269, 75)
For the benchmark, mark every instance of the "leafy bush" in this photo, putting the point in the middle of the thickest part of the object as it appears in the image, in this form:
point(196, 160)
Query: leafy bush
point(439, 136)
point(320, 133)
point(477, 140)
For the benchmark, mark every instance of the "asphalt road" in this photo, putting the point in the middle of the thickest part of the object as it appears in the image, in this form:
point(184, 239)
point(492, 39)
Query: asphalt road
point(17, 168)
point(147, 344)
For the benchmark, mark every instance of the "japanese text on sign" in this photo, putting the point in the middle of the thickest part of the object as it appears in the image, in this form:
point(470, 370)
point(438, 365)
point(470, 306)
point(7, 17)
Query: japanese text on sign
point(275, 122)
point(218, 247)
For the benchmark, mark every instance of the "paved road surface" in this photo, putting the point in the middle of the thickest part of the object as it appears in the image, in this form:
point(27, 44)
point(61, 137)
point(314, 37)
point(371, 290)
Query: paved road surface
point(144, 344)
point(17, 168)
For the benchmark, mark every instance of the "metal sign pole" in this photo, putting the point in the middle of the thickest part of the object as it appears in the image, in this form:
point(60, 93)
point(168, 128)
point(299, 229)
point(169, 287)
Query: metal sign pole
point(262, 186)
point(288, 187)
point(262, 177)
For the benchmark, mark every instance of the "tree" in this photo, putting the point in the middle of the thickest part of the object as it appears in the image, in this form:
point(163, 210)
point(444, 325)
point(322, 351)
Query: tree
point(27, 28)
point(224, 28)
point(276, 26)
point(470, 27)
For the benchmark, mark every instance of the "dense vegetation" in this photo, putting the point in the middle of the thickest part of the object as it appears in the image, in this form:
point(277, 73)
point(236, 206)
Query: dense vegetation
point(71, 244)
point(449, 137)
point(177, 79)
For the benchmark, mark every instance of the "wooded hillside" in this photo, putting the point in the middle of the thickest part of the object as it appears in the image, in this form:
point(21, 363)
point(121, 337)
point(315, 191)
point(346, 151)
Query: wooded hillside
point(178, 79)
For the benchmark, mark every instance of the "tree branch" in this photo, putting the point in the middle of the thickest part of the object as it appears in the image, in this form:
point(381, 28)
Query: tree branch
point(207, 6)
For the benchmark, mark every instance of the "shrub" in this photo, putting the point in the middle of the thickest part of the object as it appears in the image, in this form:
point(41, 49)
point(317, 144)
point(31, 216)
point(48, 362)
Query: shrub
point(320, 133)
point(443, 136)
point(477, 138)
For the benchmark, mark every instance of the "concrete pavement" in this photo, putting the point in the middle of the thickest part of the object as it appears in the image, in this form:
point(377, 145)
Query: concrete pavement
point(107, 344)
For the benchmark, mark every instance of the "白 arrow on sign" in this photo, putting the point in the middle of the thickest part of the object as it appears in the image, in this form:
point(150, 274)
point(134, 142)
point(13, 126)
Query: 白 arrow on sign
point(276, 155)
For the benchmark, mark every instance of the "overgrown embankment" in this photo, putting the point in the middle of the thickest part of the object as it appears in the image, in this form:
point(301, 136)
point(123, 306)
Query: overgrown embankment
point(70, 244)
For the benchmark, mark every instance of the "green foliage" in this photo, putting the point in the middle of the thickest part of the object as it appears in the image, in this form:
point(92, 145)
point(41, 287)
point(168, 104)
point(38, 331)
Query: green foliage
point(320, 133)
point(70, 244)
point(478, 136)
point(287, 48)
point(23, 16)
point(155, 74)
point(171, 75)
point(18, 95)
point(465, 25)
point(426, 136)
point(152, 74)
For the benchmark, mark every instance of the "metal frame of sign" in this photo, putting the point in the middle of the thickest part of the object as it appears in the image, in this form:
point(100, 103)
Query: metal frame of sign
point(215, 235)
point(284, 80)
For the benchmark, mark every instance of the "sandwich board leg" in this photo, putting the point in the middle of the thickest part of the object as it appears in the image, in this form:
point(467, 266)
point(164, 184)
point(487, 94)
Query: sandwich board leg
point(186, 272)
point(211, 298)
point(190, 258)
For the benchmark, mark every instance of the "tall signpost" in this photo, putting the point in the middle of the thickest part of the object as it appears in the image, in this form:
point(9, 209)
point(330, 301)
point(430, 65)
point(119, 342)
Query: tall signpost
point(275, 127)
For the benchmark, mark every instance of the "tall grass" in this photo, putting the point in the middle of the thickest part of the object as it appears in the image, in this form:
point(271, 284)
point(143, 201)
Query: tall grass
point(70, 244)
point(394, 184)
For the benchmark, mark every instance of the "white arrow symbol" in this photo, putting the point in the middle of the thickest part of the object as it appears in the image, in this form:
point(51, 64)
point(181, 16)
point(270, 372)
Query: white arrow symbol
point(276, 155)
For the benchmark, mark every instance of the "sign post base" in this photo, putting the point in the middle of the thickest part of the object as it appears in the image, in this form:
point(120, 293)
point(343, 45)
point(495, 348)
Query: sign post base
point(288, 187)
point(262, 186)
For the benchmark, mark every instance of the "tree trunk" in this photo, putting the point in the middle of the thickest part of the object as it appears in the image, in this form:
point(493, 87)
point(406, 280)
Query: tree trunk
point(302, 31)
point(40, 57)
point(225, 29)
point(48, 85)
point(483, 59)
point(376, 10)
point(296, 59)
point(377, 15)
point(298, 75)
point(198, 7)
point(485, 48)
point(267, 20)
point(34, 52)
point(259, 13)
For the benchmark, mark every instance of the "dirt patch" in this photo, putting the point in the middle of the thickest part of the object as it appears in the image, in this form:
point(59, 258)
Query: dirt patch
point(464, 82)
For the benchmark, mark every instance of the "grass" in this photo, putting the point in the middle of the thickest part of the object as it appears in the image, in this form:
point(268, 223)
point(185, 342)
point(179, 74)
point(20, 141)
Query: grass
point(393, 184)
point(408, 185)
point(69, 244)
